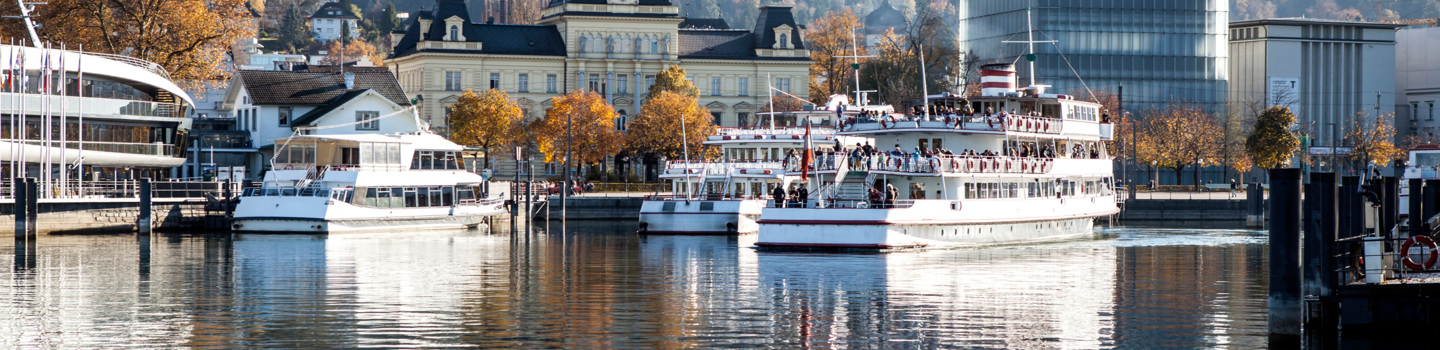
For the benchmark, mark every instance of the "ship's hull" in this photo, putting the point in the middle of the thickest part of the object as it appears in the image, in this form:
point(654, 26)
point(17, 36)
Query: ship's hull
point(699, 217)
point(928, 224)
point(273, 214)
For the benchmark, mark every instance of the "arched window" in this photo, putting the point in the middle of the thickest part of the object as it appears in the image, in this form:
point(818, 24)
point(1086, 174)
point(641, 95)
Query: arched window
point(454, 33)
point(784, 40)
point(654, 46)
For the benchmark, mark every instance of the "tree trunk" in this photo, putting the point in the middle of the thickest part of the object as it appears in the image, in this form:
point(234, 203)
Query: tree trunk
point(1179, 178)
point(1197, 178)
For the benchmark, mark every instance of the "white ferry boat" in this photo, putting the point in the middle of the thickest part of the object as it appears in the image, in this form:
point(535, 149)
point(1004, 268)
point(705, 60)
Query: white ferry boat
point(726, 196)
point(1021, 166)
point(363, 183)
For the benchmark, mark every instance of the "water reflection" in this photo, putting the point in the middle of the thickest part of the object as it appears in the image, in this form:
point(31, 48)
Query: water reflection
point(597, 285)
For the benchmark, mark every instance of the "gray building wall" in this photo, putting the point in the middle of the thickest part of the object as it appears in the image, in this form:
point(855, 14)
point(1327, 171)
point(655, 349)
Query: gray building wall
point(1161, 51)
point(1417, 82)
point(1326, 71)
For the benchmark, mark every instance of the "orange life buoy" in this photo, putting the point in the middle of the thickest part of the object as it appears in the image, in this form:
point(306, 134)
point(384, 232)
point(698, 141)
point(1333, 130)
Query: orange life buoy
point(1405, 253)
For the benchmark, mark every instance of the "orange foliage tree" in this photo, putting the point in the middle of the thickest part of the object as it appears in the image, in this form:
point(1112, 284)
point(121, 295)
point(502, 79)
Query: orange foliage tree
point(1372, 141)
point(657, 129)
point(189, 38)
point(1179, 136)
point(827, 38)
point(338, 53)
point(591, 128)
point(488, 120)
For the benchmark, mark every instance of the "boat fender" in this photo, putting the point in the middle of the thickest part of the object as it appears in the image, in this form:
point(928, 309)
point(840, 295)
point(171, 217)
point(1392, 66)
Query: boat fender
point(1405, 253)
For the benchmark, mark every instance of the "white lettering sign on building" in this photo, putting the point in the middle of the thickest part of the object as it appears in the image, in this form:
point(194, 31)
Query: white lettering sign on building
point(1284, 92)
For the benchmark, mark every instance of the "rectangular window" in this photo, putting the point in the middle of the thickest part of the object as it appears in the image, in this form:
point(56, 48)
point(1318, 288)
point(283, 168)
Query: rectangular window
point(550, 83)
point(255, 118)
point(715, 86)
point(624, 88)
point(743, 118)
point(716, 115)
point(649, 81)
point(1431, 115)
point(365, 120)
point(783, 84)
point(284, 116)
point(495, 81)
point(524, 83)
point(594, 82)
point(452, 81)
point(1414, 111)
point(744, 86)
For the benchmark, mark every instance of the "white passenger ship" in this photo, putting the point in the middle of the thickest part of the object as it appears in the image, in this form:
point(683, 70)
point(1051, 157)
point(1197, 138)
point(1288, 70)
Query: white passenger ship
point(366, 182)
point(726, 196)
point(1046, 176)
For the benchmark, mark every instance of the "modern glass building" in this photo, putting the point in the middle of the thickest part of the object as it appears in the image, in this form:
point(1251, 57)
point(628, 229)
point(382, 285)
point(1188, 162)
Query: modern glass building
point(1159, 50)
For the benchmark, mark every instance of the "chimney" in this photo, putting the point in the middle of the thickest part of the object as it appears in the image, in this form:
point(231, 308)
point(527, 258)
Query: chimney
point(997, 79)
point(349, 80)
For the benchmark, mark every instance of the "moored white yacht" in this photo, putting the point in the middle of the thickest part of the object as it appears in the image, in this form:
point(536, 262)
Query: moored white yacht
point(1005, 167)
point(364, 183)
point(726, 196)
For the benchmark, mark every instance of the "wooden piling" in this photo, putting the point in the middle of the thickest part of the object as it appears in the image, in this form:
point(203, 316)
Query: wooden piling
point(142, 222)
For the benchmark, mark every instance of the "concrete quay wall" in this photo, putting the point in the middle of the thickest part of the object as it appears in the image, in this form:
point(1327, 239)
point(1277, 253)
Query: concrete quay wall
point(108, 216)
point(1183, 209)
point(597, 208)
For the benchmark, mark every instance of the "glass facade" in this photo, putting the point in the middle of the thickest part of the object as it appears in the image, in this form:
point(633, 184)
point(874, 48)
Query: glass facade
point(1159, 50)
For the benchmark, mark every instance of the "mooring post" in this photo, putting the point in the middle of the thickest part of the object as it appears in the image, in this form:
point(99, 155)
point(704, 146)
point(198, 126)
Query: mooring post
point(20, 209)
point(1352, 207)
point(1417, 206)
point(32, 207)
point(1429, 197)
point(142, 222)
point(1320, 220)
point(1389, 205)
point(1285, 271)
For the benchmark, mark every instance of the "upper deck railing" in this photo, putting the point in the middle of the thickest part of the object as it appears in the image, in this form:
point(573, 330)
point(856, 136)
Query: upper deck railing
point(978, 122)
point(778, 133)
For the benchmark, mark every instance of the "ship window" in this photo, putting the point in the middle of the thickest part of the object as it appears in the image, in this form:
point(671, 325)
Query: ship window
point(410, 197)
point(707, 206)
point(447, 196)
point(668, 207)
point(464, 193)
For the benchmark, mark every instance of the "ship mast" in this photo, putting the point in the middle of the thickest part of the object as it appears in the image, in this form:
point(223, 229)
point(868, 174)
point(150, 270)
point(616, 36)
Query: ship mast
point(1030, 34)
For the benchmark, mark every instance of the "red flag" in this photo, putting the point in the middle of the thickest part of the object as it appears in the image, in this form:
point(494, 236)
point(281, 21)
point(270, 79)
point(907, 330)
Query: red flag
point(808, 155)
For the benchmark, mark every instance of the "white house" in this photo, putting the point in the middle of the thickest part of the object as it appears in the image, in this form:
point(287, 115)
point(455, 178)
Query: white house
point(331, 19)
point(272, 105)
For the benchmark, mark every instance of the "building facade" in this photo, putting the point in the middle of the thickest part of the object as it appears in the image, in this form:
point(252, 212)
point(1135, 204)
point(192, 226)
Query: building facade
point(614, 47)
point(1160, 51)
point(331, 20)
point(1417, 83)
point(1326, 71)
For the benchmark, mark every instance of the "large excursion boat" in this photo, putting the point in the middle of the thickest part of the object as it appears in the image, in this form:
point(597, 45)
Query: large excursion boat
point(363, 183)
point(1007, 166)
point(725, 196)
point(73, 119)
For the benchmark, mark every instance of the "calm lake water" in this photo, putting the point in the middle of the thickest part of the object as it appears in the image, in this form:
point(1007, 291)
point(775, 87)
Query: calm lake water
point(598, 285)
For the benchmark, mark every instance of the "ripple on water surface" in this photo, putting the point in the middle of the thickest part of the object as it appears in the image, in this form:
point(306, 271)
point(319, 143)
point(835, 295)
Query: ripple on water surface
point(597, 285)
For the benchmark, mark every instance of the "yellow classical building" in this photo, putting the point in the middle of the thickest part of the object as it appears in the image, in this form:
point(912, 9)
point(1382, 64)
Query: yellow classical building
point(614, 47)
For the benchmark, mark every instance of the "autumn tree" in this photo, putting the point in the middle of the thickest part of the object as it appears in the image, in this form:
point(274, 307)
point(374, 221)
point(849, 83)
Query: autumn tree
point(658, 131)
point(189, 38)
point(488, 120)
point(1372, 141)
point(673, 79)
point(1271, 144)
point(896, 69)
point(829, 38)
point(1179, 136)
point(339, 52)
point(590, 130)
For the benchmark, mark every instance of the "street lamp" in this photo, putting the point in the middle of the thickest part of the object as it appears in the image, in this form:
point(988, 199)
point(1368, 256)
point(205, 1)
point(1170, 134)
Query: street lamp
point(1155, 181)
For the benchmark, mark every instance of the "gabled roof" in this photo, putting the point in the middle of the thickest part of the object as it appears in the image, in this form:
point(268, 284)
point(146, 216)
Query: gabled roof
point(521, 39)
point(884, 18)
point(775, 16)
point(315, 114)
point(333, 10)
point(315, 88)
point(704, 23)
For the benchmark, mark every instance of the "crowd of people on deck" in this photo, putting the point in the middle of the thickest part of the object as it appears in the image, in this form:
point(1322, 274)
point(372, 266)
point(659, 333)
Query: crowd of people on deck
point(864, 157)
point(959, 117)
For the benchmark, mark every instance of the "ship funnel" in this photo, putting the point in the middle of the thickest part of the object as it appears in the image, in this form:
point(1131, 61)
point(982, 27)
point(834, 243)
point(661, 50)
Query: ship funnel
point(997, 79)
point(837, 101)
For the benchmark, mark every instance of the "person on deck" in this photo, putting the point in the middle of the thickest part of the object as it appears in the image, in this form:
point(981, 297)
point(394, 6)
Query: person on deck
point(802, 195)
point(779, 196)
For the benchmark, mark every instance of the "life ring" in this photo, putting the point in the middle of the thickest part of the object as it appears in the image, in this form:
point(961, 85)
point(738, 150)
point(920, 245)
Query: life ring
point(887, 122)
point(995, 164)
point(935, 164)
point(1007, 165)
point(970, 164)
point(990, 121)
point(954, 163)
point(1024, 166)
point(982, 166)
point(1405, 253)
point(289, 167)
point(895, 164)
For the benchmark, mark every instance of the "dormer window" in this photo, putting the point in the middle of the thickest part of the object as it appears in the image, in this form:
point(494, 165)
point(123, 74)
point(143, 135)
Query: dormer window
point(454, 32)
point(782, 37)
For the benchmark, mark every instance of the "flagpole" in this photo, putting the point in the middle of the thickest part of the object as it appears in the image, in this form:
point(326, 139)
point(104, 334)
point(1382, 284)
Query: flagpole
point(64, 115)
point(80, 92)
